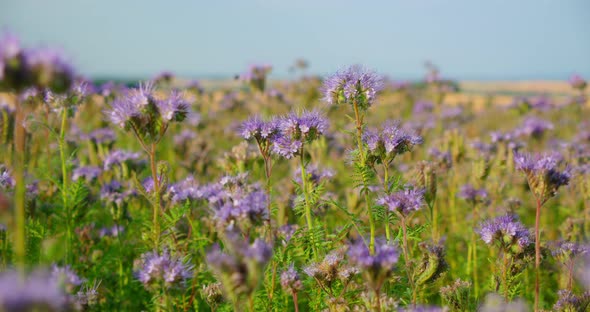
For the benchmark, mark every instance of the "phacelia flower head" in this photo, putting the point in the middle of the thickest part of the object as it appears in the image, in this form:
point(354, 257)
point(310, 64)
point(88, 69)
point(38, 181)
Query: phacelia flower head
point(376, 267)
point(577, 82)
point(352, 85)
point(404, 202)
point(565, 251)
point(119, 157)
point(505, 231)
point(534, 127)
point(307, 126)
point(256, 76)
point(315, 175)
point(66, 277)
point(391, 141)
point(543, 173)
point(6, 180)
point(473, 195)
point(147, 114)
point(290, 281)
point(568, 301)
point(258, 129)
point(163, 270)
point(240, 267)
point(36, 292)
point(88, 173)
point(331, 268)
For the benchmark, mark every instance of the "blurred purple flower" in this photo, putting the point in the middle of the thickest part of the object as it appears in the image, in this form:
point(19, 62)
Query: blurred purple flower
point(353, 84)
point(163, 270)
point(404, 202)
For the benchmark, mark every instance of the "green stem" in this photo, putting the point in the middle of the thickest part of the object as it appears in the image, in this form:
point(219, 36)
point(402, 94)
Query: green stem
point(64, 187)
point(359, 139)
point(308, 216)
point(156, 190)
point(386, 189)
point(537, 253)
point(20, 189)
point(407, 257)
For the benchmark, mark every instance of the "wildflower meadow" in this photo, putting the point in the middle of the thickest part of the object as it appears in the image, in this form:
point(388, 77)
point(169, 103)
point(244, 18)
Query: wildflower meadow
point(345, 192)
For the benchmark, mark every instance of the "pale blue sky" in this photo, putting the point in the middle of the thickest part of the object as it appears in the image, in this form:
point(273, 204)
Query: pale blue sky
point(468, 39)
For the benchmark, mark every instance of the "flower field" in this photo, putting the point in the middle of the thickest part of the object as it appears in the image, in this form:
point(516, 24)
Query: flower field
point(349, 192)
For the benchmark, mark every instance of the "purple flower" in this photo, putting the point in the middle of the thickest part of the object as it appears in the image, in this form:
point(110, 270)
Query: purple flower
point(9, 46)
point(38, 291)
point(404, 202)
point(184, 137)
point(568, 301)
point(564, 250)
point(102, 136)
point(163, 270)
point(315, 175)
point(113, 193)
point(507, 231)
point(534, 127)
point(256, 76)
point(543, 173)
point(354, 84)
point(6, 180)
point(118, 157)
point(473, 195)
point(173, 108)
point(577, 82)
point(390, 142)
point(377, 267)
point(261, 131)
point(290, 281)
point(89, 173)
point(65, 276)
point(241, 267)
point(307, 127)
point(285, 147)
point(423, 106)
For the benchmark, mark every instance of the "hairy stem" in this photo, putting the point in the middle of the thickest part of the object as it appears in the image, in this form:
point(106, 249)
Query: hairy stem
point(20, 188)
point(308, 217)
point(156, 190)
point(407, 257)
point(537, 253)
point(64, 187)
point(359, 139)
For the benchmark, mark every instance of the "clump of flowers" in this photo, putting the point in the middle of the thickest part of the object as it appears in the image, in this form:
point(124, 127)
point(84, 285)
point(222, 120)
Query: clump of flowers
point(457, 295)
point(403, 202)
point(145, 114)
point(36, 292)
point(392, 141)
point(291, 284)
point(376, 267)
point(472, 195)
point(534, 127)
point(352, 85)
point(514, 243)
point(543, 173)
point(569, 302)
point(240, 267)
point(163, 271)
point(567, 253)
point(296, 130)
point(256, 76)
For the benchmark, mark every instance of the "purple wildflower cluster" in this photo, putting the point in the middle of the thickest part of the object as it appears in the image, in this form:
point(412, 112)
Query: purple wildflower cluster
point(577, 82)
point(315, 175)
point(256, 76)
point(163, 270)
point(505, 231)
point(295, 130)
point(290, 281)
point(568, 301)
point(241, 267)
point(403, 202)
point(543, 173)
point(473, 195)
point(88, 173)
point(147, 114)
point(534, 127)
point(352, 85)
point(393, 140)
point(119, 157)
point(36, 292)
point(40, 67)
point(376, 267)
point(331, 269)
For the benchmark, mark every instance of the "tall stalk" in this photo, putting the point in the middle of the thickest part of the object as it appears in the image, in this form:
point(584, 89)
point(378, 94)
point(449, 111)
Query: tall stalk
point(537, 253)
point(64, 186)
point(359, 139)
point(386, 190)
point(20, 188)
point(156, 190)
point(308, 217)
point(407, 257)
